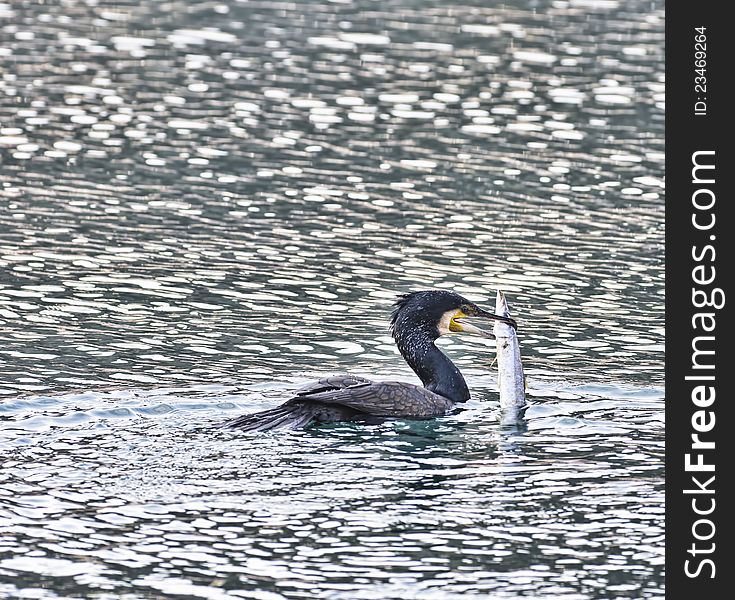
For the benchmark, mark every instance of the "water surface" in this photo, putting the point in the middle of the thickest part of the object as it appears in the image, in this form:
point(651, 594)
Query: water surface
point(205, 205)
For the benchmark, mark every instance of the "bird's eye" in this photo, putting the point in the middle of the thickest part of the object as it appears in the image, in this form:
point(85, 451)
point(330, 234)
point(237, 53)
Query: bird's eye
point(465, 308)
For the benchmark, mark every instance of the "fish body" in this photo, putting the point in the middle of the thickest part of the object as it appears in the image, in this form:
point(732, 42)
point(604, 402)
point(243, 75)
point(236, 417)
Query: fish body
point(511, 381)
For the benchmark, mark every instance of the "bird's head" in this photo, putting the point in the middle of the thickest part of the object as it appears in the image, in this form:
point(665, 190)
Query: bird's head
point(438, 312)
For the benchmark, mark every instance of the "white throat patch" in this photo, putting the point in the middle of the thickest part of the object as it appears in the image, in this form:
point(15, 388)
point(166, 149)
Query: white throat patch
point(444, 322)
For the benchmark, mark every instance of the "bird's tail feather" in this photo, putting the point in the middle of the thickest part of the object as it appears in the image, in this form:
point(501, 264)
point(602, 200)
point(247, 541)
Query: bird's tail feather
point(288, 416)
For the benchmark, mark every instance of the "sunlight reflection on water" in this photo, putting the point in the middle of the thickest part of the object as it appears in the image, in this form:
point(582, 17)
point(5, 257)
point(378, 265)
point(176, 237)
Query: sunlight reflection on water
point(205, 205)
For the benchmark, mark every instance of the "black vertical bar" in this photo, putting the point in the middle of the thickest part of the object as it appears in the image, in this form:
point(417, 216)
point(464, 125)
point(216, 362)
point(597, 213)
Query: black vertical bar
point(698, 264)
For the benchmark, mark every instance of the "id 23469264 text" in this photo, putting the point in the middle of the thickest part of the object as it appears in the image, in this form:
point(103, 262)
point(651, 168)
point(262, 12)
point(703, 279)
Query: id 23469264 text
point(700, 71)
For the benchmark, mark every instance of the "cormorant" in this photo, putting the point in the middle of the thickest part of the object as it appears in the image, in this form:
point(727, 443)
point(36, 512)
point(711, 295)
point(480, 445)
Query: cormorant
point(418, 319)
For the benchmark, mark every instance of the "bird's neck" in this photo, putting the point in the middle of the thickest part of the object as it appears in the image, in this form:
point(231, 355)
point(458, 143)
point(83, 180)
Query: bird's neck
point(436, 371)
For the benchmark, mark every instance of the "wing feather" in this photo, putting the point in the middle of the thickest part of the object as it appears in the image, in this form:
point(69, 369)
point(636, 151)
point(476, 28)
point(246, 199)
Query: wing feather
point(334, 382)
point(385, 398)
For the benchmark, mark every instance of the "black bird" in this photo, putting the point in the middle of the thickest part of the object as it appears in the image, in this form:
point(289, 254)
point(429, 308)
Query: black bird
point(418, 319)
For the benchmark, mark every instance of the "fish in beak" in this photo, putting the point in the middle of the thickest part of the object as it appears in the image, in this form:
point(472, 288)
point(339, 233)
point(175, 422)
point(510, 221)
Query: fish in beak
point(461, 323)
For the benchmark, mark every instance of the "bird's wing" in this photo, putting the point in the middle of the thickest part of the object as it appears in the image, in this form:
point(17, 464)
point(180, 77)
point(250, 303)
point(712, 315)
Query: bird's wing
point(334, 382)
point(384, 399)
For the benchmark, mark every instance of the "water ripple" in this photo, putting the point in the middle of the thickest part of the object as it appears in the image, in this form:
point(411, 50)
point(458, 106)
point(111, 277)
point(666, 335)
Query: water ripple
point(205, 205)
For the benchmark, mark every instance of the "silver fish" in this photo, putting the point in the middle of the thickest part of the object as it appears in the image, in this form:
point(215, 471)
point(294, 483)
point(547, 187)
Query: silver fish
point(511, 382)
